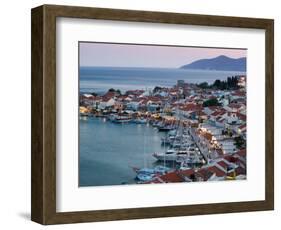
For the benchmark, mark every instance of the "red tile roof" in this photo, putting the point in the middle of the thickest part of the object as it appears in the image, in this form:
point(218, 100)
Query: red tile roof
point(230, 158)
point(106, 99)
point(217, 171)
point(186, 172)
point(241, 116)
point(241, 127)
point(109, 94)
point(240, 171)
point(191, 107)
point(172, 177)
point(222, 164)
point(241, 153)
point(214, 108)
point(218, 113)
point(203, 173)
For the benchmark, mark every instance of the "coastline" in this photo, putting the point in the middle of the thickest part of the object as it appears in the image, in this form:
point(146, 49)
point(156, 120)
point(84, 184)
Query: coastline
point(201, 124)
point(98, 79)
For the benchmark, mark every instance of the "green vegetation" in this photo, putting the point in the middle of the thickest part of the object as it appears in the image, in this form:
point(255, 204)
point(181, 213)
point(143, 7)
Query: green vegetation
point(204, 85)
point(211, 102)
point(240, 142)
point(111, 90)
point(230, 83)
point(117, 91)
point(157, 89)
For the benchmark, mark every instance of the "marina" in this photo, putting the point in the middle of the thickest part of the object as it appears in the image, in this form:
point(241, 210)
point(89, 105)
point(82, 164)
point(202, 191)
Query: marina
point(108, 159)
point(164, 143)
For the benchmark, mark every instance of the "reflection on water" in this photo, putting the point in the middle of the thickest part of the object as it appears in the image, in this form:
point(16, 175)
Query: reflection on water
point(108, 151)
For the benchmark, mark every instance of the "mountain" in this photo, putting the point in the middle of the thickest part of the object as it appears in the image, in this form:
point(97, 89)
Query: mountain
point(218, 63)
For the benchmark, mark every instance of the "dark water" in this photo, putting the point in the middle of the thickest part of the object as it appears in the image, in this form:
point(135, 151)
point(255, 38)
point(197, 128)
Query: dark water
point(109, 150)
point(100, 79)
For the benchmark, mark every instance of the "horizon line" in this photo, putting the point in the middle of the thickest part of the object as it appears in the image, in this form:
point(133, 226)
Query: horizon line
point(160, 67)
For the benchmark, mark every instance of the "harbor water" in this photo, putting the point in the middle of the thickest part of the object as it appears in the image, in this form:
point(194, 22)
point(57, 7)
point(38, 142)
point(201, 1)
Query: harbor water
point(109, 151)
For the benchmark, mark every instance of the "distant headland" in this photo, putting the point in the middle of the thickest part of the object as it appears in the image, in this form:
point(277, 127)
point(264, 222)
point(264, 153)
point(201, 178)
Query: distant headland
point(222, 62)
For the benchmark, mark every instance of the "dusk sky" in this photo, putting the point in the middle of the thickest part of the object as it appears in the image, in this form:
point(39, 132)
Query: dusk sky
point(106, 54)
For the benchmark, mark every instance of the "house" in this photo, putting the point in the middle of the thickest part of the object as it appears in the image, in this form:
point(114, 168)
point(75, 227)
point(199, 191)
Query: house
point(190, 110)
point(220, 122)
point(242, 81)
point(106, 102)
point(242, 117)
point(135, 103)
point(203, 174)
point(201, 115)
point(86, 99)
point(171, 177)
point(220, 113)
point(210, 109)
point(118, 105)
point(235, 108)
point(187, 175)
point(232, 118)
point(153, 103)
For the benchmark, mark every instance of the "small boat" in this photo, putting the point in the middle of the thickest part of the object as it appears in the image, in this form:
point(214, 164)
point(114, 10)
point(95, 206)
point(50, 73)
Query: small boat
point(159, 169)
point(140, 121)
point(172, 132)
point(173, 155)
point(184, 166)
point(169, 155)
point(192, 160)
point(119, 119)
point(155, 124)
point(144, 174)
point(144, 177)
point(145, 171)
point(84, 114)
point(165, 128)
point(147, 174)
point(167, 140)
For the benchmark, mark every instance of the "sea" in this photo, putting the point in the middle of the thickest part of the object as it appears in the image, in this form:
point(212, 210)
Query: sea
point(100, 79)
point(108, 152)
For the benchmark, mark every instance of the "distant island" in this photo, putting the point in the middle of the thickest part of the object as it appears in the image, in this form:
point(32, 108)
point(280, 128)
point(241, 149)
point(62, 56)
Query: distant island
point(218, 63)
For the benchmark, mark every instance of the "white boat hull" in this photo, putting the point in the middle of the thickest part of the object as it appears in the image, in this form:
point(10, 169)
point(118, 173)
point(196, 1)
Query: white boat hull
point(169, 157)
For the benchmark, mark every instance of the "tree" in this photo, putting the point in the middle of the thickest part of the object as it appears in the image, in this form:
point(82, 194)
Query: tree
point(118, 91)
point(203, 85)
point(157, 89)
point(229, 83)
point(211, 102)
point(111, 90)
point(217, 84)
point(240, 142)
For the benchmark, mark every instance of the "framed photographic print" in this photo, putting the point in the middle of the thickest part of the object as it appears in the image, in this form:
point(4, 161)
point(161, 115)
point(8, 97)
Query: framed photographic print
point(141, 114)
